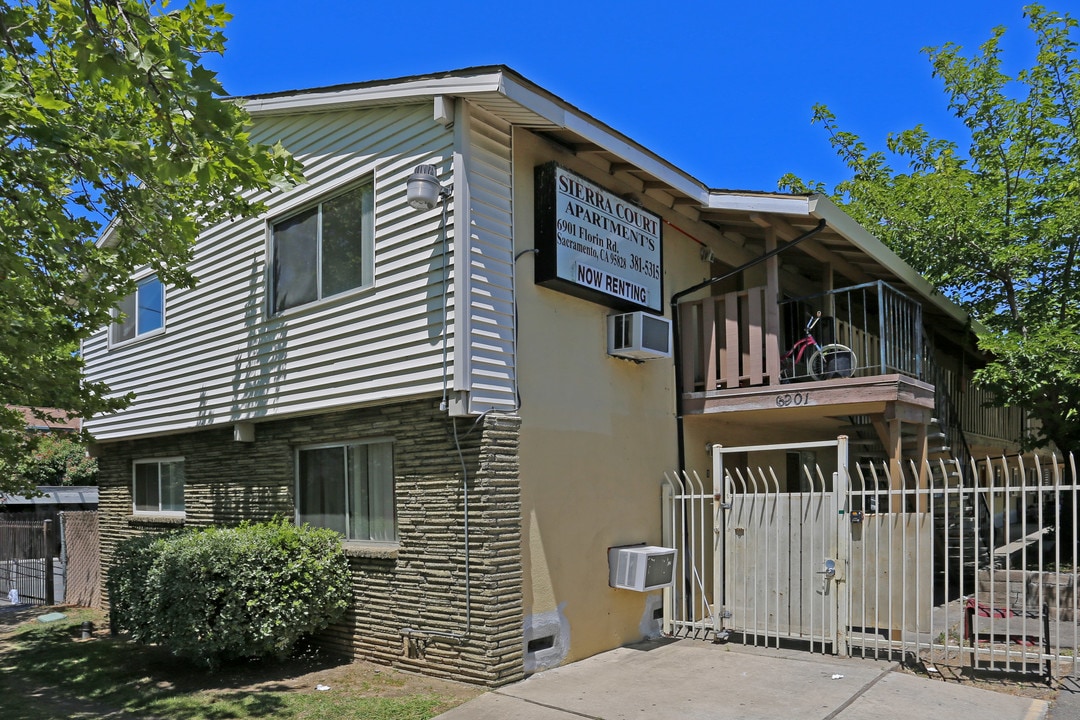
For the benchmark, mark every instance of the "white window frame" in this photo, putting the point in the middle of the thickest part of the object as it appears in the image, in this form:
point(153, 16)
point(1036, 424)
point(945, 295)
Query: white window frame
point(345, 444)
point(139, 284)
point(368, 249)
point(159, 461)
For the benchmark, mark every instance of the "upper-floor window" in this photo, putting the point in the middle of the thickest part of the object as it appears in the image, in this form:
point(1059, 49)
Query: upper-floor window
point(158, 486)
point(141, 312)
point(323, 250)
point(348, 488)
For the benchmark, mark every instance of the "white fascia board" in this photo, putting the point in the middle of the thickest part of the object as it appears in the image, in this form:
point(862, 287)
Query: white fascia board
point(348, 97)
point(546, 108)
point(797, 205)
point(842, 223)
point(106, 238)
point(562, 115)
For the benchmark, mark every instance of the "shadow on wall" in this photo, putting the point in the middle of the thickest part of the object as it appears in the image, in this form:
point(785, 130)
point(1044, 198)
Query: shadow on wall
point(233, 500)
point(260, 363)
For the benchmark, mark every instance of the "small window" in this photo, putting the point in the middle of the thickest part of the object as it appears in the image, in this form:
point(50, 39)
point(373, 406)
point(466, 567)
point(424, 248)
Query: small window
point(159, 486)
point(348, 488)
point(324, 250)
point(141, 312)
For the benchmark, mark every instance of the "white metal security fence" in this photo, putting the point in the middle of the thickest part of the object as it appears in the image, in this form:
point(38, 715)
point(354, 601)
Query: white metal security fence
point(971, 566)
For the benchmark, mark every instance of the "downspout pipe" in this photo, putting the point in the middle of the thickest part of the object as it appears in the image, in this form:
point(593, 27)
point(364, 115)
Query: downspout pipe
point(676, 335)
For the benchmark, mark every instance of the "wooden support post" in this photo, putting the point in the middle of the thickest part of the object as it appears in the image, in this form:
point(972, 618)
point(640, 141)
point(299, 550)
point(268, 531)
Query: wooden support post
point(708, 341)
point(896, 469)
point(772, 310)
point(829, 303)
point(50, 587)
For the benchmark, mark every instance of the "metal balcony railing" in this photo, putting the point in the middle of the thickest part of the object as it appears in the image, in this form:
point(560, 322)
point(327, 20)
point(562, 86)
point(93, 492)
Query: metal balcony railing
point(879, 324)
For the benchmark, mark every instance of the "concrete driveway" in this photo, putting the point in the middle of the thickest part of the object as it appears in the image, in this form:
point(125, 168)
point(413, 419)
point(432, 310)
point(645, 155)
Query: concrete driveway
point(691, 679)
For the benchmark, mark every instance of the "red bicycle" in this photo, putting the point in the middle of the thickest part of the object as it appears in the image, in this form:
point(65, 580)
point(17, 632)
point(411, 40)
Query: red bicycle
point(826, 363)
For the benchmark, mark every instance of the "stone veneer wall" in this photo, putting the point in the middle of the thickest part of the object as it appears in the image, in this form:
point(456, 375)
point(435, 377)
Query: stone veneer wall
point(418, 584)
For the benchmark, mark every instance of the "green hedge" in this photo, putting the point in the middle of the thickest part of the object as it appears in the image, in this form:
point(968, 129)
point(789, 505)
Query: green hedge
point(218, 594)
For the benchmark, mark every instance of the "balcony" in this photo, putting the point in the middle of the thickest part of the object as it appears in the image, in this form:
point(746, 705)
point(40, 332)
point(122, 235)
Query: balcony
point(733, 350)
point(733, 347)
point(733, 340)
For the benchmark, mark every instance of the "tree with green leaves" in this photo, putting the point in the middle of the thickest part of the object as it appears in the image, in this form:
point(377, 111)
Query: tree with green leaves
point(995, 225)
point(59, 458)
point(109, 116)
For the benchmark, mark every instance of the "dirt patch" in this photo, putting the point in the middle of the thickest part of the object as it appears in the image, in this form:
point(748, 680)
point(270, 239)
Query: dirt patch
point(1029, 685)
point(153, 670)
point(306, 672)
point(11, 616)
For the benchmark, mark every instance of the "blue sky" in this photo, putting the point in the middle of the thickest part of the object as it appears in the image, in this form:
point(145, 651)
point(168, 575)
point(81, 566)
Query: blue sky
point(722, 89)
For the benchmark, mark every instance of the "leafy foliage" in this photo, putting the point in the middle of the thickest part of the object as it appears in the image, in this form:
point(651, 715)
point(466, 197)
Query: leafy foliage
point(107, 115)
point(219, 594)
point(997, 226)
point(57, 459)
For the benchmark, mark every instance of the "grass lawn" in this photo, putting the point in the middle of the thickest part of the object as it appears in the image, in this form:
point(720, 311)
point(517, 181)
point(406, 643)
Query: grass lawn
point(47, 671)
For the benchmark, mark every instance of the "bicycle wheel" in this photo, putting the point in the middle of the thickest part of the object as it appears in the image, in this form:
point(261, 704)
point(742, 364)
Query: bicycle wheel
point(832, 361)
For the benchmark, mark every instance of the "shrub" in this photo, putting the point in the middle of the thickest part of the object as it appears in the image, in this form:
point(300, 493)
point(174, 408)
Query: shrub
point(218, 594)
point(58, 459)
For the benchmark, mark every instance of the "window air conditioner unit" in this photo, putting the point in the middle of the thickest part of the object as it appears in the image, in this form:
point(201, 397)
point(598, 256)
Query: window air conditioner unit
point(641, 567)
point(639, 336)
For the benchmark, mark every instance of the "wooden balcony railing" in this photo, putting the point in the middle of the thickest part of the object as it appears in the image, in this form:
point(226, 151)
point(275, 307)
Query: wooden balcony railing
point(736, 340)
point(979, 418)
point(730, 341)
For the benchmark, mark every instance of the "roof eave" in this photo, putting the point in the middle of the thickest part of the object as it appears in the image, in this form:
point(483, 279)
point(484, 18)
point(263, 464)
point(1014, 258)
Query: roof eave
point(561, 114)
point(796, 205)
point(476, 82)
point(825, 209)
point(565, 116)
point(414, 88)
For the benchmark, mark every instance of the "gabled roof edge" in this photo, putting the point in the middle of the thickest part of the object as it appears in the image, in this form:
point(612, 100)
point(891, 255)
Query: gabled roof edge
point(505, 81)
point(824, 208)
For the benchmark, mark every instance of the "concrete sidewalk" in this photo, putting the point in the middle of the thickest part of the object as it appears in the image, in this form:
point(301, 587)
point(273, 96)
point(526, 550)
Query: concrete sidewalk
point(691, 679)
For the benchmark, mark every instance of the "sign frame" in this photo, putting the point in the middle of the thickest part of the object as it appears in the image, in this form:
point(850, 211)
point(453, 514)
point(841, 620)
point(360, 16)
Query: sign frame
point(595, 244)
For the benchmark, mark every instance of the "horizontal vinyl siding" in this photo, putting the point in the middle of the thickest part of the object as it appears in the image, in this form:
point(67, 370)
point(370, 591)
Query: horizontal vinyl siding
point(491, 322)
point(222, 359)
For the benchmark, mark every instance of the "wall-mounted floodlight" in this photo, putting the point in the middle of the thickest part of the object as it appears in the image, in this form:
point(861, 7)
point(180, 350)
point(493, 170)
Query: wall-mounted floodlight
point(423, 190)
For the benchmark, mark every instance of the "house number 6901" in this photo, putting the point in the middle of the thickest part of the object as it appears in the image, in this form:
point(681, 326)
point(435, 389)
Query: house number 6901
point(793, 399)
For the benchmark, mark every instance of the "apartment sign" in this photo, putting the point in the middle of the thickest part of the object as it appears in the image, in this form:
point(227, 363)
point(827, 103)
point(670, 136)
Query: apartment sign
point(595, 244)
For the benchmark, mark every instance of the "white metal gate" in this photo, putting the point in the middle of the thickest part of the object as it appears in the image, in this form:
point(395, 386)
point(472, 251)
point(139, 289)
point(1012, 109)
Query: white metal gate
point(755, 559)
point(971, 566)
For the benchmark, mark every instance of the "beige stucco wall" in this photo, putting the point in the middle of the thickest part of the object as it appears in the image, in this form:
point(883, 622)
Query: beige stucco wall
point(597, 435)
point(702, 432)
